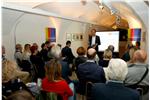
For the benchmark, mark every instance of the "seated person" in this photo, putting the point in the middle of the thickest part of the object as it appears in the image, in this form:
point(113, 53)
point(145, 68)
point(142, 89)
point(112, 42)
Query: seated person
point(89, 71)
point(106, 57)
point(66, 71)
point(81, 57)
point(12, 78)
point(138, 72)
point(53, 82)
point(114, 89)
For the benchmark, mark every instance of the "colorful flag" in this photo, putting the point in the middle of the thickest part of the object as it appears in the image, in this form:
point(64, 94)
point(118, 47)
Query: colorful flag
point(134, 34)
point(50, 34)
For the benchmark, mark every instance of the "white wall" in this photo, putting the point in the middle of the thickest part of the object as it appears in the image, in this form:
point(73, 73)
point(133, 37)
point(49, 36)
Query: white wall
point(30, 28)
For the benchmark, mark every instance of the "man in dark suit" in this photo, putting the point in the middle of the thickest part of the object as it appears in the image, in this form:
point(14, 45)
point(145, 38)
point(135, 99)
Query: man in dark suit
point(89, 71)
point(114, 88)
point(94, 40)
point(67, 53)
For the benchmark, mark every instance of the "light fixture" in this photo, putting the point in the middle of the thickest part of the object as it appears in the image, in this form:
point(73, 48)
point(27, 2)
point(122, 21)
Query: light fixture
point(101, 6)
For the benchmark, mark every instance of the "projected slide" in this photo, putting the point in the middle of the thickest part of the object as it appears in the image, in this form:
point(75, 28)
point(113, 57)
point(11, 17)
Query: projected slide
point(108, 38)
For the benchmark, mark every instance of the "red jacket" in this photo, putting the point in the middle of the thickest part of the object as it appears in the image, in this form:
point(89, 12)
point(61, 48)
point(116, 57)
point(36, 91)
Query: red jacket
point(61, 87)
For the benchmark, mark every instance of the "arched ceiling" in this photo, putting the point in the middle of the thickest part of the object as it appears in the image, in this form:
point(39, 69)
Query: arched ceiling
point(88, 10)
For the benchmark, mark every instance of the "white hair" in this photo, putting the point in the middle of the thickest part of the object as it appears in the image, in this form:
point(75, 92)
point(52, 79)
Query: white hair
point(116, 70)
point(56, 51)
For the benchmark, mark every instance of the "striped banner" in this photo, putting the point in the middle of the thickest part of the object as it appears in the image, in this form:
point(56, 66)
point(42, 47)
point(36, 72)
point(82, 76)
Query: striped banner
point(50, 34)
point(134, 34)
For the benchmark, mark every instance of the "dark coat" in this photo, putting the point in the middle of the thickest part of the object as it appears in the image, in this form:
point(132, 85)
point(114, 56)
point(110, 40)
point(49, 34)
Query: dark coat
point(89, 71)
point(113, 91)
point(67, 53)
point(97, 41)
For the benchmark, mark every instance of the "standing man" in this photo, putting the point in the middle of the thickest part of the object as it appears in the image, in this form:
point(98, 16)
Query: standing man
point(67, 53)
point(94, 40)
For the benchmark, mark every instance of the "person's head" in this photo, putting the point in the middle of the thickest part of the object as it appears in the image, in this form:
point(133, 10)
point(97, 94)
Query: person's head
point(131, 52)
point(91, 53)
point(47, 43)
point(27, 47)
point(68, 43)
point(53, 70)
point(35, 44)
point(3, 50)
point(117, 70)
point(138, 45)
point(93, 32)
point(56, 52)
point(18, 47)
point(111, 47)
point(43, 46)
point(81, 51)
point(8, 70)
point(33, 50)
point(20, 95)
point(107, 54)
point(59, 45)
point(139, 56)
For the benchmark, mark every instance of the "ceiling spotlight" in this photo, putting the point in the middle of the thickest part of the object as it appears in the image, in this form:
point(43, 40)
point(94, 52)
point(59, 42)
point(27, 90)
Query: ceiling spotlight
point(112, 12)
point(101, 6)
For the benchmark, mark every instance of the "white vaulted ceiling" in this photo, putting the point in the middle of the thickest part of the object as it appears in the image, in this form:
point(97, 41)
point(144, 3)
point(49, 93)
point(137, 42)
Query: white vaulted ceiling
point(134, 12)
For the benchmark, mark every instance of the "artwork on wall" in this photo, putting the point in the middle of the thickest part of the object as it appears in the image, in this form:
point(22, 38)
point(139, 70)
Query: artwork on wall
point(74, 36)
point(134, 34)
point(50, 34)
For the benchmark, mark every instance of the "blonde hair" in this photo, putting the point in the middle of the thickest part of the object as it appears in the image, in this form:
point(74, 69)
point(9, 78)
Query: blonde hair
point(8, 70)
point(107, 54)
point(55, 52)
point(53, 70)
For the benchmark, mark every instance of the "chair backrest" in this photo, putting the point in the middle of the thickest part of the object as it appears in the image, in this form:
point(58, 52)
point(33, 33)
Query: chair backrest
point(48, 96)
point(88, 90)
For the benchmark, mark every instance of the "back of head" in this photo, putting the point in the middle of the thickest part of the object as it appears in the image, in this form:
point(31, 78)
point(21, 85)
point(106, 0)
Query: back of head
point(33, 49)
point(91, 53)
point(139, 56)
point(21, 95)
point(81, 51)
point(117, 70)
point(68, 42)
point(8, 70)
point(27, 47)
point(53, 70)
point(107, 54)
point(111, 47)
point(56, 52)
point(18, 47)
point(3, 50)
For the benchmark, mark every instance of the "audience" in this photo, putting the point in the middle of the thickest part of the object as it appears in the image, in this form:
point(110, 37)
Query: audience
point(138, 72)
point(89, 71)
point(106, 57)
point(12, 78)
point(53, 82)
point(58, 68)
point(114, 89)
